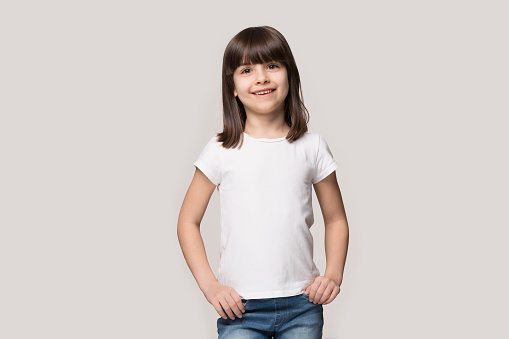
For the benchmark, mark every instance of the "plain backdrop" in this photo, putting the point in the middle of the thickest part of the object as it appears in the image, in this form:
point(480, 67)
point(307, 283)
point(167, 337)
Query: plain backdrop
point(105, 105)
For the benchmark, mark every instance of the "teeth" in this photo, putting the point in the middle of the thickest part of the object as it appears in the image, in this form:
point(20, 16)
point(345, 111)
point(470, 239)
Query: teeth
point(264, 92)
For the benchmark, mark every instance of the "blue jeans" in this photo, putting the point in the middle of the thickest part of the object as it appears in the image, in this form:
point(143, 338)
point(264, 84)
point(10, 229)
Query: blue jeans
point(281, 318)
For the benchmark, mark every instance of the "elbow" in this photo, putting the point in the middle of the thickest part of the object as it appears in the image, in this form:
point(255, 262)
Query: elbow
point(186, 226)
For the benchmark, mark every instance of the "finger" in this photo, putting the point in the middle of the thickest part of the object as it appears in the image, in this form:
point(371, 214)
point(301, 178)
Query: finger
point(309, 289)
point(333, 295)
point(326, 293)
point(234, 302)
point(317, 298)
point(241, 305)
point(219, 310)
point(313, 292)
point(226, 307)
point(320, 294)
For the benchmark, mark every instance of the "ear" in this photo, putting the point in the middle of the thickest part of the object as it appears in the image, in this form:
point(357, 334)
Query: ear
point(234, 93)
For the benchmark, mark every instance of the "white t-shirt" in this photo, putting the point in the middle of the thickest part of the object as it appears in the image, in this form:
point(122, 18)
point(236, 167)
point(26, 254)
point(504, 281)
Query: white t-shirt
point(265, 187)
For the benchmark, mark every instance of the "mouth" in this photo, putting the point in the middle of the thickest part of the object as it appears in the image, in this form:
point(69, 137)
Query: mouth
point(264, 93)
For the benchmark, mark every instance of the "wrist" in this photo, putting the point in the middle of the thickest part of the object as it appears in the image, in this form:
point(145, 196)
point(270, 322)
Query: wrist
point(337, 278)
point(204, 286)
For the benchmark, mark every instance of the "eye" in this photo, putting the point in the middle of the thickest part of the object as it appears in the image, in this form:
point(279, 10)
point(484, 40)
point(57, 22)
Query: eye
point(245, 69)
point(276, 66)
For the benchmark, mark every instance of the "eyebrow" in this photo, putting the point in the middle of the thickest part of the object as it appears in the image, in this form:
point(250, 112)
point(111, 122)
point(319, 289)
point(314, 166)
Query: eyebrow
point(247, 63)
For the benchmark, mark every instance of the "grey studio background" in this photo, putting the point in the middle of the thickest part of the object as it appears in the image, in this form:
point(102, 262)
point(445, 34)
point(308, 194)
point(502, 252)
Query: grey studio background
point(105, 105)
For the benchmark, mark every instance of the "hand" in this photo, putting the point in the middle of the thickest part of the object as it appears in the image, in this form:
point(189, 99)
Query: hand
point(323, 290)
point(220, 295)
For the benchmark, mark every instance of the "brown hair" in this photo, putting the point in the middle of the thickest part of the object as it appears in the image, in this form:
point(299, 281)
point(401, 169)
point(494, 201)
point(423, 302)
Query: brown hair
point(256, 45)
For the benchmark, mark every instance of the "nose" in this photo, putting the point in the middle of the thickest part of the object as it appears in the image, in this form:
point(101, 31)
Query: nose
point(261, 75)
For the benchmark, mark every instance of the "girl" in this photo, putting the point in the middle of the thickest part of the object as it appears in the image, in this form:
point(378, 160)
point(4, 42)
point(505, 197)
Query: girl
point(263, 165)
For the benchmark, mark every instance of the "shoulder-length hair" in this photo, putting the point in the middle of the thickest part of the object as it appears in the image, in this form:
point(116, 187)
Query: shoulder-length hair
point(256, 45)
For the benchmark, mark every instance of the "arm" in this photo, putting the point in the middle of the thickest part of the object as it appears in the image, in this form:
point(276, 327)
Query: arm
point(188, 229)
point(188, 232)
point(336, 240)
point(336, 226)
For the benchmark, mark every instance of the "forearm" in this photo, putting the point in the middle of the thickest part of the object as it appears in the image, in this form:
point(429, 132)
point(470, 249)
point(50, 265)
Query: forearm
point(336, 247)
point(193, 249)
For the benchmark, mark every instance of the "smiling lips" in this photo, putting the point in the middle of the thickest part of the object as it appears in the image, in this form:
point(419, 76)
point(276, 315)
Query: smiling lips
point(264, 92)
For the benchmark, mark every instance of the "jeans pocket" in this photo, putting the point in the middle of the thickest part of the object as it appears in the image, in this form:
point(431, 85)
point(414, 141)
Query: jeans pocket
point(244, 302)
point(306, 297)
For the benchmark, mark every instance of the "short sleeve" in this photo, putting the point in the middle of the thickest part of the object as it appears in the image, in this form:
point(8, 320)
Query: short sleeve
point(209, 161)
point(325, 162)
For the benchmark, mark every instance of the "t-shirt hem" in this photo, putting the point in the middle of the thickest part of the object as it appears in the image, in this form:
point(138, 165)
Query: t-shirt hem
point(272, 294)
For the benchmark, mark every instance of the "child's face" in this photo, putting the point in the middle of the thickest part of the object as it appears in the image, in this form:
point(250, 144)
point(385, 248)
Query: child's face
point(253, 78)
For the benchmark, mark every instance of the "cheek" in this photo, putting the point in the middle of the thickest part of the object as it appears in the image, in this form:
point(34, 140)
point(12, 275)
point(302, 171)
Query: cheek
point(286, 86)
point(241, 88)
point(284, 81)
